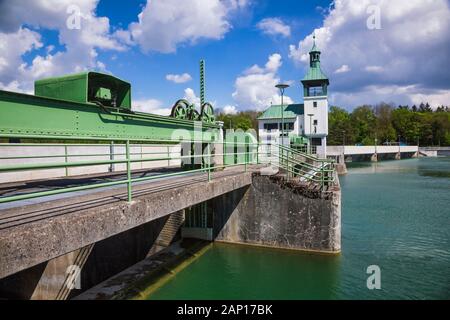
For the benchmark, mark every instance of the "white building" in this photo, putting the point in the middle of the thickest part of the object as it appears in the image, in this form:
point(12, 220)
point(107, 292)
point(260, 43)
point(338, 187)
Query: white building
point(308, 120)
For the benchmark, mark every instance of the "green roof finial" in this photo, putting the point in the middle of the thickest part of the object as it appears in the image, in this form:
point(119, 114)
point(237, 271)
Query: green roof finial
point(314, 72)
point(314, 47)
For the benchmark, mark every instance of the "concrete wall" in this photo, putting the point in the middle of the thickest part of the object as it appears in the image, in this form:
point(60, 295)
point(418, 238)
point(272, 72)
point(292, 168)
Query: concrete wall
point(75, 153)
point(273, 213)
point(70, 274)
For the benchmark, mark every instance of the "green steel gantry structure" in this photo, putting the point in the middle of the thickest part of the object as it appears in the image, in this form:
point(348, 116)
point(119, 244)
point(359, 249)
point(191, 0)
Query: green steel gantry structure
point(96, 107)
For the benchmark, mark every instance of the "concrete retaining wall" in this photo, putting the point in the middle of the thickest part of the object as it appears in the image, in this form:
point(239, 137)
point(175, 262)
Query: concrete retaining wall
point(271, 213)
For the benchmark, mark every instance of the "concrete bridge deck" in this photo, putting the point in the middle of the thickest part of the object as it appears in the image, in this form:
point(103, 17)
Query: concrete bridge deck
point(361, 150)
point(37, 231)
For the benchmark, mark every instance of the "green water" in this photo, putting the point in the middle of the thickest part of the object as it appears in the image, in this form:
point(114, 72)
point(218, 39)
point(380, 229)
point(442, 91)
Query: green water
point(395, 214)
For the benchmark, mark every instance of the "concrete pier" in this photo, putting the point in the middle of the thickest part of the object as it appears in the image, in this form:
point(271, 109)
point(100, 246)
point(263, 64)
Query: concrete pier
point(276, 213)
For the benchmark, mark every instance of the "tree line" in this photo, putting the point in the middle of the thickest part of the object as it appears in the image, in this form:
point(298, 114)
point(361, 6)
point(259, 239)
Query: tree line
point(383, 123)
point(369, 123)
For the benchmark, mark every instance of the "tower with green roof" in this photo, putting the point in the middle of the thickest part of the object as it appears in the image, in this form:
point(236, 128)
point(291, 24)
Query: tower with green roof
point(303, 122)
point(315, 92)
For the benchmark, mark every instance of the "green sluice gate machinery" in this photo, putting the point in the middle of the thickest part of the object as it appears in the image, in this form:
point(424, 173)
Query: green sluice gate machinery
point(97, 105)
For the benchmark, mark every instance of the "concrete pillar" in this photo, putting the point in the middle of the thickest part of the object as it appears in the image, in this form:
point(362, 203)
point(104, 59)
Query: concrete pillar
point(398, 156)
point(374, 157)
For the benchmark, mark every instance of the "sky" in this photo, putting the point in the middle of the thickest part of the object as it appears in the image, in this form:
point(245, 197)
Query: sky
point(372, 50)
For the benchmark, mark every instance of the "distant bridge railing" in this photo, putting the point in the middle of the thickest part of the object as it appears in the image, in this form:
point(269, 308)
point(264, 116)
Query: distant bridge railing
point(294, 162)
point(356, 150)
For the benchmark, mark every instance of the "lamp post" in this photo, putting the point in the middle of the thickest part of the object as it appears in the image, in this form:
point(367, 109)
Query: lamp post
point(310, 115)
point(282, 87)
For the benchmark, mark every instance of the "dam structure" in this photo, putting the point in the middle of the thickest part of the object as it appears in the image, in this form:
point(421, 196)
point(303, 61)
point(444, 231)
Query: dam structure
point(89, 188)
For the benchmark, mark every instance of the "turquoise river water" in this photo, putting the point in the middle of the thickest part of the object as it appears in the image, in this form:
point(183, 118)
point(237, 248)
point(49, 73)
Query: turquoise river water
point(395, 214)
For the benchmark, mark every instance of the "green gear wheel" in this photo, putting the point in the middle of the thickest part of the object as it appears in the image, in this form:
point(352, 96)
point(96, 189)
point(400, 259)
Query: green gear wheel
point(207, 113)
point(179, 110)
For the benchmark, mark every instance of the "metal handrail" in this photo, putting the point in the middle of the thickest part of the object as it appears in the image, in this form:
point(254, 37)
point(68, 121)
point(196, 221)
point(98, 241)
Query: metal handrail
point(288, 163)
point(311, 172)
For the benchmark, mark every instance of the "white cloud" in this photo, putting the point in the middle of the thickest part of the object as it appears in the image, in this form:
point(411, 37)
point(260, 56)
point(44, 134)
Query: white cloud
point(343, 69)
point(374, 69)
point(190, 96)
point(151, 106)
point(165, 24)
point(80, 45)
point(179, 78)
point(274, 27)
point(411, 50)
point(228, 109)
point(255, 89)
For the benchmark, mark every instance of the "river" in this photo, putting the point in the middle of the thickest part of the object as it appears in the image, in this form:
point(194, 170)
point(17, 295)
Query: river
point(395, 214)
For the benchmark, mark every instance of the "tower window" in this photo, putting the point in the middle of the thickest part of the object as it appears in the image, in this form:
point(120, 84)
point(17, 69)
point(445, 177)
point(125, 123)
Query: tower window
point(315, 104)
point(315, 122)
point(315, 91)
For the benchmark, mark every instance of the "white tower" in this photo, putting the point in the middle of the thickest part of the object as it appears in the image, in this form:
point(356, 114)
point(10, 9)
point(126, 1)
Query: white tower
point(315, 85)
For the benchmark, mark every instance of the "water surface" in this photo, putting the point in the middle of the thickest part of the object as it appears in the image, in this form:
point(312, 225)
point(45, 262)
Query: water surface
point(395, 214)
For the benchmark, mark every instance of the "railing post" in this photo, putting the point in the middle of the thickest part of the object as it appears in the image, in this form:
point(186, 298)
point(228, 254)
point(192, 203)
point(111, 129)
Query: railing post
point(257, 153)
point(66, 159)
point(111, 156)
point(246, 155)
point(168, 156)
point(127, 146)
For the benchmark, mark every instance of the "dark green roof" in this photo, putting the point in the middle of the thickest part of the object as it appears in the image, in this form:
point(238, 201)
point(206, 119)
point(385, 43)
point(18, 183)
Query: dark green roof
point(291, 111)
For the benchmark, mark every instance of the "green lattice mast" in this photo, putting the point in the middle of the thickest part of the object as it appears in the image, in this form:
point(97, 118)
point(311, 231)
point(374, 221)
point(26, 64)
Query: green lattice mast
point(202, 82)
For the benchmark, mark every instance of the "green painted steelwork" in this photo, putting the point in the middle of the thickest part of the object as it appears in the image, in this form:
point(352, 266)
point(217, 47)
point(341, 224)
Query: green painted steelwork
point(239, 147)
point(87, 87)
point(27, 115)
point(319, 171)
point(202, 82)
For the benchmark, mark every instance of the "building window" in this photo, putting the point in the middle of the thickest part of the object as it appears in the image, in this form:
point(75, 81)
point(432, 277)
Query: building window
point(270, 126)
point(288, 126)
point(315, 91)
point(315, 122)
point(316, 141)
point(315, 104)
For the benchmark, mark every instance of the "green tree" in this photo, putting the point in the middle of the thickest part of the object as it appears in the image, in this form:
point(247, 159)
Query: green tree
point(340, 128)
point(363, 122)
point(384, 129)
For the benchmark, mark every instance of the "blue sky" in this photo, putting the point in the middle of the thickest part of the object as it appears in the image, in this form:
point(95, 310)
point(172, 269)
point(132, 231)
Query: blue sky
point(241, 48)
point(373, 50)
